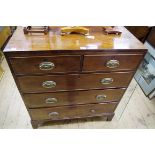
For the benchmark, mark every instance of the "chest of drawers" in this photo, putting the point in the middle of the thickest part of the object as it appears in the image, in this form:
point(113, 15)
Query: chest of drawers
point(74, 76)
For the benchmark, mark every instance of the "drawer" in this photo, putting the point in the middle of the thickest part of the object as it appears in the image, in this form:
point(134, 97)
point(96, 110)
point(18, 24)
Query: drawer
point(52, 83)
point(44, 64)
point(111, 62)
point(69, 112)
point(47, 83)
point(72, 98)
point(105, 80)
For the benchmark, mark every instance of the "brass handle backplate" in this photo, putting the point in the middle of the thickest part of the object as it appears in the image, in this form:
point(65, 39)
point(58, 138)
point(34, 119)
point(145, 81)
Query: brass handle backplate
point(112, 64)
point(46, 65)
point(49, 84)
point(51, 100)
point(101, 97)
point(53, 114)
point(93, 111)
point(106, 81)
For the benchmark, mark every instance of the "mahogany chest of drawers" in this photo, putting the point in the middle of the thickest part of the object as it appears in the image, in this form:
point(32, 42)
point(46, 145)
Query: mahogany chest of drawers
point(73, 76)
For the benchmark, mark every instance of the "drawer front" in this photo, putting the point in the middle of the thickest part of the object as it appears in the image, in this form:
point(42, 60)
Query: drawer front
point(105, 80)
point(111, 62)
point(47, 83)
point(53, 83)
point(69, 112)
point(72, 98)
point(42, 65)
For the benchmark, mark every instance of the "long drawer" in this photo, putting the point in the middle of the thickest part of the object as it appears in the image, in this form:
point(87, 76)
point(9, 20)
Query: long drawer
point(44, 64)
point(51, 83)
point(111, 62)
point(72, 98)
point(69, 112)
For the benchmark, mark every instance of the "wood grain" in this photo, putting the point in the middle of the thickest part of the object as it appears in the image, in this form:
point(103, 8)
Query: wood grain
point(73, 82)
point(30, 65)
point(54, 41)
point(70, 112)
point(72, 98)
point(98, 62)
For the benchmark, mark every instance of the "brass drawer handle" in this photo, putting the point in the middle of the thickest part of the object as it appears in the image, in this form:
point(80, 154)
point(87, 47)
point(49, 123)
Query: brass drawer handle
point(112, 64)
point(46, 65)
point(53, 114)
point(93, 111)
point(49, 84)
point(101, 97)
point(106, 81)
point(51, 100)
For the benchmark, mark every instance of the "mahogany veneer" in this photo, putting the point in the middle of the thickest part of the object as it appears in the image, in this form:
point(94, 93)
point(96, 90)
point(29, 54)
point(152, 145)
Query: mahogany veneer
point(73, 82)
point(29, 65)
point(72, 97)
point(69, 112)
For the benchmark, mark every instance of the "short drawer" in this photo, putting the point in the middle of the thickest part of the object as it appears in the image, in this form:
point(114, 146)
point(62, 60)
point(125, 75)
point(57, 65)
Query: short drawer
point(111, 62)
point(70, 112)
point(44, 64)
point(52, 83)
point(72, 98)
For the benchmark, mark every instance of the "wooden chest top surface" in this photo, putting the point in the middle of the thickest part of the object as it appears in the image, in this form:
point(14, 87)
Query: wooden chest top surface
point(96, 40)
